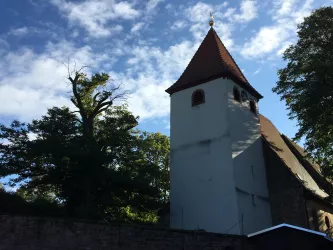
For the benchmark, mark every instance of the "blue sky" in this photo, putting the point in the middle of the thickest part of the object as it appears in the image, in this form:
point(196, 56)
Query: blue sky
point(145, 45)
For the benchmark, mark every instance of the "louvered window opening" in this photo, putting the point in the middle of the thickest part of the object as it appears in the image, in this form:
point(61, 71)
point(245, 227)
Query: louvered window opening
point(244, 96)
point(198, 97)
point(236, 95)
point(253, 107)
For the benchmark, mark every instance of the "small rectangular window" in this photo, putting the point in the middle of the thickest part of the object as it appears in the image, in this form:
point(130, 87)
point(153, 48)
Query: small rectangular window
point(253, 200)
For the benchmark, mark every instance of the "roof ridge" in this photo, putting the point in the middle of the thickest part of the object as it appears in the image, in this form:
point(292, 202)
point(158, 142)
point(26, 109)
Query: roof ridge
point(293, 144)
point(289, 226)
point(192, 57)
point(218, 48)
point(215, 33)
point(308, 164)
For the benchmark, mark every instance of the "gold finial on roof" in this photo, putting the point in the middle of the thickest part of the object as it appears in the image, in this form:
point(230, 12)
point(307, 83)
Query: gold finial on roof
point(211, 21)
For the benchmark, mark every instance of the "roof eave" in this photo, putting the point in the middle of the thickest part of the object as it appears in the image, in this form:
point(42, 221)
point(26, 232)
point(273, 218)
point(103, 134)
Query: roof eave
point(174, 89)
point(316, 196)
point(288, 226)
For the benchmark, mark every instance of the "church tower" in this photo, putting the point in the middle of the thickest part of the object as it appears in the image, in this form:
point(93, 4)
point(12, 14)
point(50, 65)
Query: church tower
point(217, 173)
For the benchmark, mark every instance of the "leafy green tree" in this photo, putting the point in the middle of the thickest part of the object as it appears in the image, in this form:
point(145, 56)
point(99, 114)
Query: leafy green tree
point(306, 84)
point(33, 194)
point(89, 160)
point(13, 203)
point(155, 151)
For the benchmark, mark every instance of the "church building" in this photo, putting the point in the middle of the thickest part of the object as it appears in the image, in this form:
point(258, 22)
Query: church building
point(231, 170)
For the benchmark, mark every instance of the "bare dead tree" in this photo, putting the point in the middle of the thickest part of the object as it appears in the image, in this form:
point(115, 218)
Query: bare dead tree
point(101, 100)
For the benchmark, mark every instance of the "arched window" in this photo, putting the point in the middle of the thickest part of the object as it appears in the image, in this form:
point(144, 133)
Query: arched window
point(236, 94)
point(198, 97)
point(244, 96)
point(253, 107)
point(327, 222)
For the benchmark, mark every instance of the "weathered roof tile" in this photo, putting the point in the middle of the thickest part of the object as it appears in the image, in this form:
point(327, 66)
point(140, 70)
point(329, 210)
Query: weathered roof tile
point(212, 60)
point(279, 146)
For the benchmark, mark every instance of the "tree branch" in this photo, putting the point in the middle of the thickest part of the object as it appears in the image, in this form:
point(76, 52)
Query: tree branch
point(102, 100)
point(101, 103)
point(119, 96)
point(76, 111)
point(103, 109)
point(76, 94)
point(78, 120)
point(95, 96)
point(96, 110)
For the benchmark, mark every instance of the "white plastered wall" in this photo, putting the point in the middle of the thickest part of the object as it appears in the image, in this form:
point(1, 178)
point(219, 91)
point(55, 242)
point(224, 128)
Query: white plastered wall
point(248, 165)
point(212, 155)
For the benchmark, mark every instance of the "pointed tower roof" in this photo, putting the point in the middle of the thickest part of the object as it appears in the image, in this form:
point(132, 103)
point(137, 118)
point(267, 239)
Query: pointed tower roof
point(211, 61)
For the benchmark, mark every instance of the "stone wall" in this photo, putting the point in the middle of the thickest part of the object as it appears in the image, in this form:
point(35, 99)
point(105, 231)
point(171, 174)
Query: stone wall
point(286, 193)
point(34, 233)
point(320, 215)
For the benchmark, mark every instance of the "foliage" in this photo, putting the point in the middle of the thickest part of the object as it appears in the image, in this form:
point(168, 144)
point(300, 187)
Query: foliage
point(306, 84)
point(93, 160)
point(41, 193)
point(13, 203)
point(154, 151)
point(130, 215)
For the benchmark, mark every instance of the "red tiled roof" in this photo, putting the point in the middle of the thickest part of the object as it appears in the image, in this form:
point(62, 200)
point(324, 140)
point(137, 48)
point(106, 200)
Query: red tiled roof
point(211, 61)
point(302, 152)
point(276, 142)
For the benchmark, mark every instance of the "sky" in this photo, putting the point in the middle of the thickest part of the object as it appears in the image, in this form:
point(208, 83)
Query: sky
point(144, 45)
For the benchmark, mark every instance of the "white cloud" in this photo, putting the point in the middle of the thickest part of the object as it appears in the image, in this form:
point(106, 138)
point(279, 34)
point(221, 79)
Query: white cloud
point(94, 15)
point(152, 4)
point(19, 31)
point(229, 13)
point(180, 24)
point(225, 4)
point(199, 16)
point(116, 28)
point(265, 41)
point(150, 100)
point(151, 72)
point(30, 83)
point(27, 103)
point(136, 27)
point(166, 123)
point(283, 48)
point(248, 11)
point(168, 6)
point(32, 136)
point(224, 30)
point(257, 72)
point(199, 12)
point(46, 30)
point(302, 12)
point(284, 7)
point(274, 38)
point(11, 189)
point(4, 46)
